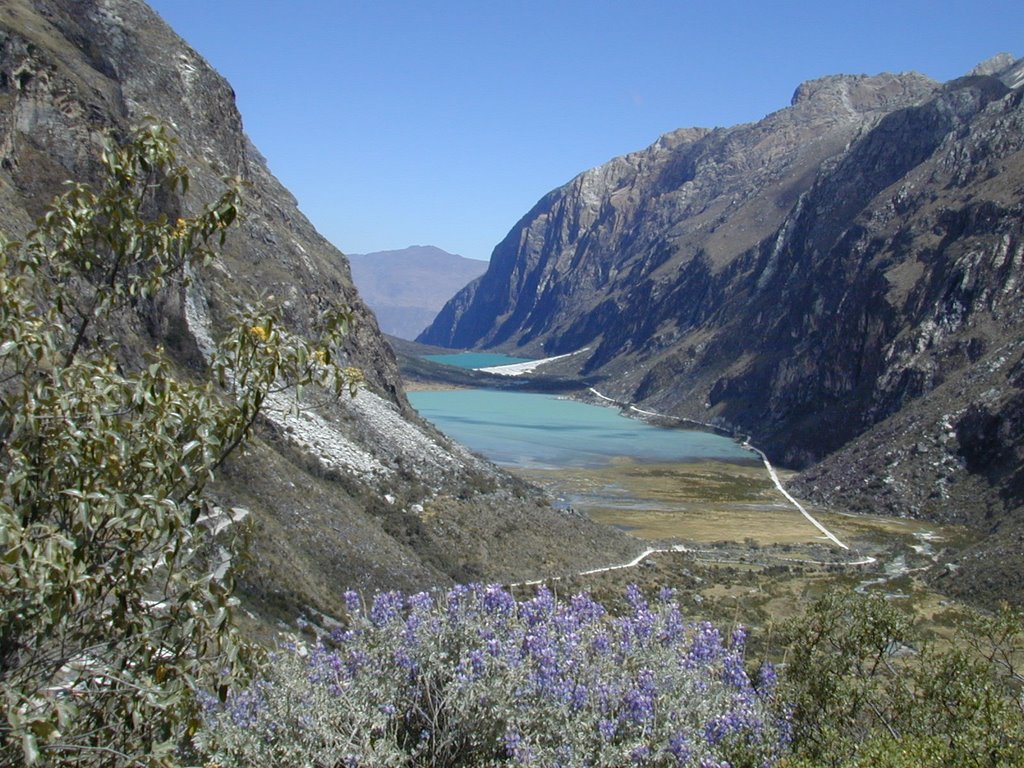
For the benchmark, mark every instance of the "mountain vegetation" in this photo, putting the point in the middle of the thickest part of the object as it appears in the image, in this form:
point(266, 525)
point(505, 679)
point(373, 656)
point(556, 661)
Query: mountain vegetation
point(115, 601)
point(204, 443)
point(406, 288)
point(840, 280)
point(474, 677)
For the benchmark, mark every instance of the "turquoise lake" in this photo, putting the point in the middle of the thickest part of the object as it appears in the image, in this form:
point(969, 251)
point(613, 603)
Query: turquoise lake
point(475, 359)
point(545, 432)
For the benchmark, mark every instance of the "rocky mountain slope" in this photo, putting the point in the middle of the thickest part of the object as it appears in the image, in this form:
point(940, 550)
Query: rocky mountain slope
point(354, 493)
point(407, 288)
point(841, 279)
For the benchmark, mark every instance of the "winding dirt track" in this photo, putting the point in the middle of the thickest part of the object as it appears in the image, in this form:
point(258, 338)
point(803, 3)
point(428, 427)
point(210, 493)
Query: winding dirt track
point(767, 464)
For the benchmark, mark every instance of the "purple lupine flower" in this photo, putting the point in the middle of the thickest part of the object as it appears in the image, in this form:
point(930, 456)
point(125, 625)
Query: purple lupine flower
point(564, 756)
point(607, 728)
point(456, 599)
point(624, 629)
point(717, 728)
point(471, 668)
point(352, 603)
point(516, 747)
point(494, 648)
point(732, 722)
point(387, 606)
point(767, 679)
point(341, 636)
point(601, 644)
point(403, 660)
point(538, 609)
point(739, 637)
point(634, 597)
point(733, 672)
point(419, 606)
point(477, 661)
point(706, 645)
point(586, 608)
point(421, 602)
point(673, 627)
point(640, 754)
point(334, 663)
point(579, 697)
point(244, 707)
point(639, 705)
point(356, 661)
point(642, 623)
point(679, 747)
point(498, 601)
point(566, 622)
point(646, 682)
point(604, 694)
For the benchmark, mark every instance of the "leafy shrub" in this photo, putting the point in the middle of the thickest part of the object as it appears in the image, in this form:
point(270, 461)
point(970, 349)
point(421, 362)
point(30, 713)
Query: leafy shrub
point(472, 677)
point(866, 692)
point(109, 612)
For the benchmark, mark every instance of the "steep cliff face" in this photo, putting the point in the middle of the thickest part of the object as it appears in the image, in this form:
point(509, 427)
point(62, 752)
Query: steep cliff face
point(355, 493)
point(841, 279)
point(689, 205)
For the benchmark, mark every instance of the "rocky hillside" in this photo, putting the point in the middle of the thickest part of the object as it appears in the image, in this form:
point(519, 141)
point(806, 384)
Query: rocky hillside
point(841, 279)
point(355, 493)
point(407, 288)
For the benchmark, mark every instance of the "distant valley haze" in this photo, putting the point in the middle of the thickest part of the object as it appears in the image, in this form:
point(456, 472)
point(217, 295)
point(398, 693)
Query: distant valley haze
point(406, 288)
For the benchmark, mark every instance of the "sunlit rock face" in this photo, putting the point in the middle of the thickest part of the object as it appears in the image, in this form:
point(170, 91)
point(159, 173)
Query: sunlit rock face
point(841, 279)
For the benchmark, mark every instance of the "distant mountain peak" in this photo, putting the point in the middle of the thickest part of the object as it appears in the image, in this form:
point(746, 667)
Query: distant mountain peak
point(413, 251)
point(1003, 66)
point(407, 287)
point(995, 65)
point(860, 93)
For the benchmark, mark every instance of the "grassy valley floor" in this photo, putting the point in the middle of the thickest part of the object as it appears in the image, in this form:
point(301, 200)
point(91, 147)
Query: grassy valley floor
point(750, 557)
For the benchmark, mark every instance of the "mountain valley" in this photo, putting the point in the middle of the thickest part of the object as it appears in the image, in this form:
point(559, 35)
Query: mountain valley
point(840, 281)
point(719, 461)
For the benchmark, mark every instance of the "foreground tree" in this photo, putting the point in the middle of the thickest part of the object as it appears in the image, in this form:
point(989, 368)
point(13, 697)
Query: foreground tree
point(110, 613)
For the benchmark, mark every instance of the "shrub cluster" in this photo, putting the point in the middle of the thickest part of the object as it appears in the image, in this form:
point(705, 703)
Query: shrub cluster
point(115, 602)
point(475, 677)
point(867, 691)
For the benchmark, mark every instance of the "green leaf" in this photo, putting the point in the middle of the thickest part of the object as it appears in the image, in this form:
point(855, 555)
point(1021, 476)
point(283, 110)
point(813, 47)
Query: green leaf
point(29, 747)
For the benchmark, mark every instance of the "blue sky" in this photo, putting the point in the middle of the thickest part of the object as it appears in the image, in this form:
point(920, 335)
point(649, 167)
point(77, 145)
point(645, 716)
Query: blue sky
point(441, 122)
